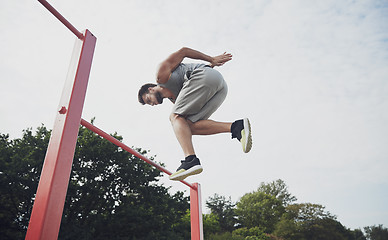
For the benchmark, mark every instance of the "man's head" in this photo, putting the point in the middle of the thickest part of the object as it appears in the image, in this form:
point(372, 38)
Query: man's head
point(149, 94)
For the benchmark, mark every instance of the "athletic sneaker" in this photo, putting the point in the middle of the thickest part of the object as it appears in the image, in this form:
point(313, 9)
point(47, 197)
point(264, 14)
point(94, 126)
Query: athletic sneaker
point(186, 169)
point(241, 129)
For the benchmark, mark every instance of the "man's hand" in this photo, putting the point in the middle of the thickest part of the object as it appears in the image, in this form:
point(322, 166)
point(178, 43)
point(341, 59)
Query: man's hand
point(221, 59)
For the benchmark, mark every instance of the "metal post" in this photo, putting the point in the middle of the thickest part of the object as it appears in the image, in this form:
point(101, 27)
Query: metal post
point(50, 197)
point(196, 213)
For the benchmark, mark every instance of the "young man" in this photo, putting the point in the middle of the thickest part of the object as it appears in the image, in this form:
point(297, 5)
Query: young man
point(197, 90)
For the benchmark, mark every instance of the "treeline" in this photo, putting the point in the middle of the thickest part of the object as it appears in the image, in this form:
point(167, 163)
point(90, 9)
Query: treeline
point(270, 213)
point(114, 195)
point(111, 193)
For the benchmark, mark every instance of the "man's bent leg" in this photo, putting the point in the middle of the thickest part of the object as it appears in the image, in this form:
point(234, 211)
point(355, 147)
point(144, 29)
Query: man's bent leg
point(240, 129)
point(191, 164)
point(209, 127)
point(183, 133)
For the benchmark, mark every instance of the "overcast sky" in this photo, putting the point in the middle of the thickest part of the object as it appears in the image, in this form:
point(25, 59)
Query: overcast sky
point(312, 76)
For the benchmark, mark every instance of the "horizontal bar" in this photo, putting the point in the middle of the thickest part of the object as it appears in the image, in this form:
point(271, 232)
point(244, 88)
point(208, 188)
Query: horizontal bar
point(128, 149)
point(61, 18)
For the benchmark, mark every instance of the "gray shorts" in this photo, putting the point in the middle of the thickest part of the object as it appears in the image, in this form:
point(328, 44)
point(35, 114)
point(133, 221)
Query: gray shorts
point(201, 95)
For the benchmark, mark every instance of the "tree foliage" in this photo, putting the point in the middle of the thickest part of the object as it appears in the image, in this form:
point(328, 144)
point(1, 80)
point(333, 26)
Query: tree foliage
point(111, 193)
point(223, 209)
point(376, 232)
point(259, 209)
point(264, 207)
point(270, 213)
point(279, 190)
point(310, 221)
point(20, 167)
point(114, 195)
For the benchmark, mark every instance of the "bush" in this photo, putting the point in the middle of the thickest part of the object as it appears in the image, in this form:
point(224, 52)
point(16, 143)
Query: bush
point(254, 233)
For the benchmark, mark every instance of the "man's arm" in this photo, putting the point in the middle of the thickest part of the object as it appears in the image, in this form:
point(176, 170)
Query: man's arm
point(167, 66)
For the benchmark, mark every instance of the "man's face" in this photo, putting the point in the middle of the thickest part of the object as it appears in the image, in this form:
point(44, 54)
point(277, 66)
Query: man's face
point(153, 97)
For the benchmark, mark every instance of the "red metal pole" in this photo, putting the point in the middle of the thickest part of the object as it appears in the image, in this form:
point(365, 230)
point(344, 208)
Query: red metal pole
point(128, 149)
point(61, 18)
point(196, 213)
point(50, 197)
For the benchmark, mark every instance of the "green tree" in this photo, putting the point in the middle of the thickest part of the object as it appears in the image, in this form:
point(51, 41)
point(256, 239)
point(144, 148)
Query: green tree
point(376, 232)
point(325, 228)
point(20, 167)
point(357, 234)
point(310, 221)
point(224, 236)
point(223, 209)
point(278, 189)
point(117, 194)
point(304, 212)
point(263, 208)
point(211, 225)
point(258, 209)
point(254, 233)
point(111, 194)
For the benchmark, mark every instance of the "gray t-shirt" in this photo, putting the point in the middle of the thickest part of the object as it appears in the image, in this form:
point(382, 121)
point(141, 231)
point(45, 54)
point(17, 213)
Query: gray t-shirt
point(180, 74)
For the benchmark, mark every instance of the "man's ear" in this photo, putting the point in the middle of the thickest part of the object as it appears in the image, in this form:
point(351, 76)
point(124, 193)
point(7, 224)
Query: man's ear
point(151, 89)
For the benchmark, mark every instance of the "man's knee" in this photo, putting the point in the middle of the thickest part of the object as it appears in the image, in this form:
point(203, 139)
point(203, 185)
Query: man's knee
point(174, 117)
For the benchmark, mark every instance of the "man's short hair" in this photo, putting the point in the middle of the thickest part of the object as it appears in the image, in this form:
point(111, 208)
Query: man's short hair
point(144, 90)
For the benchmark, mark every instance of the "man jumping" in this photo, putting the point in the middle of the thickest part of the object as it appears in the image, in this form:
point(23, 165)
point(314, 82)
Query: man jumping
point(197, 91)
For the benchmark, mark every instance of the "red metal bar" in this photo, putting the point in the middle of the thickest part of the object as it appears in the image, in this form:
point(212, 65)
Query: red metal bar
point(128, 149)
point(196, 213)
point(61, 18)
point(50, 197)
point(195, 188)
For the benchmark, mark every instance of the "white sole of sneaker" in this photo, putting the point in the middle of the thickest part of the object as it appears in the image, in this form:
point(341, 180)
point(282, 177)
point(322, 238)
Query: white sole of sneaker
point(248, 136)
point(179, 176)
